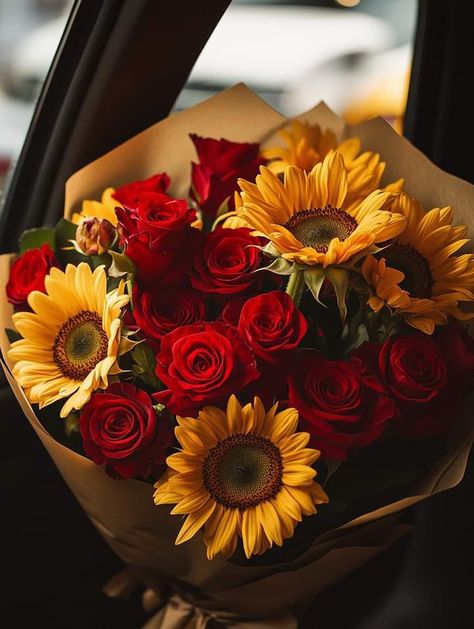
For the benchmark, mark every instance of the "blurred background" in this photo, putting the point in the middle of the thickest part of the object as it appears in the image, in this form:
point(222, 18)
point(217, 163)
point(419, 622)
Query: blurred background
point(354, 54)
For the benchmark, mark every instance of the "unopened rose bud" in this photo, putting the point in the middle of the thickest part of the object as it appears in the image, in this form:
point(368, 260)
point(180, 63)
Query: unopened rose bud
point(94, 236)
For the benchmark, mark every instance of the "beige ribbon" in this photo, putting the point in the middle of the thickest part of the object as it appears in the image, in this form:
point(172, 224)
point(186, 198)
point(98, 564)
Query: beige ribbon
point(177, 612)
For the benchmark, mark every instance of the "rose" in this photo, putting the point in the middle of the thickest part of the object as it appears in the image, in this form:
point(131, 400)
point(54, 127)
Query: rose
point(158, 238)
point(202, 364)
point(341, 403)
point(158, 312)
point(129, 194)
point(270, 324)
point(457, 349)
point(121, 429)
point(228, 262)
point(28, 273)
point(95, 235)
point(221, 163)
point(428, 377)
point(156, 214)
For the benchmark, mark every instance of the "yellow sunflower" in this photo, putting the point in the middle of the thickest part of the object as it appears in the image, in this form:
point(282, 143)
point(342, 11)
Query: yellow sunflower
point(105, 208)
point(308, 144)
point(241, 473)
point(72, 338)
point(314, 218)
point(423, 279)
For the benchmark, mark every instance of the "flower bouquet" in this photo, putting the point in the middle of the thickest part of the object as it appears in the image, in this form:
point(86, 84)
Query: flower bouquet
point(249, 355)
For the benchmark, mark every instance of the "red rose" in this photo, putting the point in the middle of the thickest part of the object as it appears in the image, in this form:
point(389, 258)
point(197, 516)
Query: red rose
point(158, 312)
point(121, 429)
point(457, 349)
point(156, 214)
point(130, 193)
point(227, 263)
point(28, 273)
point(202, 364)
point(158, 238)
point(221, 163)
point(428, 377)
point(341, 404)
point(270, 324)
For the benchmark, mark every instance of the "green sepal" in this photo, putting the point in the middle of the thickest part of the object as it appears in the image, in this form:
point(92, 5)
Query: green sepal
point(339, 278)
point(314, 278)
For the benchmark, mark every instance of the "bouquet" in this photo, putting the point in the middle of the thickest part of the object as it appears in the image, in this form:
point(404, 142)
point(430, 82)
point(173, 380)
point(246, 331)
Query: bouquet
point(247, 342)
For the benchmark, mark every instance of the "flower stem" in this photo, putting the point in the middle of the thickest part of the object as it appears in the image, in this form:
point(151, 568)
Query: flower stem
point(295, 287)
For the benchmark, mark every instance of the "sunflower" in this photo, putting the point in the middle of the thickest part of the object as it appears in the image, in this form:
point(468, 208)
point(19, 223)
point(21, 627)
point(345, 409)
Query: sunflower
point(72, 338)
point(316, 218)
point(423, 280)
point(241, 473)
point(105, 208)
point(308, 144)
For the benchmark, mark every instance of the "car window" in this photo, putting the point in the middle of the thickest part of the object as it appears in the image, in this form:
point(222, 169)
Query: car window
point(30, 31)
point(353, 54)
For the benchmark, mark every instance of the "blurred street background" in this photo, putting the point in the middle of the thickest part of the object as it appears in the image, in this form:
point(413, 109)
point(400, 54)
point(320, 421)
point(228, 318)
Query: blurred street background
point(354, 54)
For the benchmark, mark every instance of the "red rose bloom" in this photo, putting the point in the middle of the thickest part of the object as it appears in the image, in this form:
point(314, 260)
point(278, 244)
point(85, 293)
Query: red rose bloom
point(227, 263)
point(158, 312)
point(130, 193)
point(120, 428)
point(202, 364)
point(158, 238)
point(270, 324)
point(427, 376)
point(28, 273)
point(457, 349)
point(221, 163)
point(341, 404)
point(156, 214)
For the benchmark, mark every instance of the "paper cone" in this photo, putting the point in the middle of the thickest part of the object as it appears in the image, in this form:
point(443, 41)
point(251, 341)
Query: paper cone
point(143, 535)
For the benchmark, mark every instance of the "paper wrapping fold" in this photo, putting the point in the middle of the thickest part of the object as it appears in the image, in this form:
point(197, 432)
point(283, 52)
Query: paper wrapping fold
point(123, 511)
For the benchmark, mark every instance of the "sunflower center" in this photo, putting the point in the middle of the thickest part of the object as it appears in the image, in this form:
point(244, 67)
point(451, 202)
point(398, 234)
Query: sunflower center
point(317, 227)
point(418, 280)
point(80, 344)
point(242, 471)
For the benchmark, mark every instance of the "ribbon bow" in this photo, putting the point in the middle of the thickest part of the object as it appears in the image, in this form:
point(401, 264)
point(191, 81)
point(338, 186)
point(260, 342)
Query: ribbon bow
point(177, 612)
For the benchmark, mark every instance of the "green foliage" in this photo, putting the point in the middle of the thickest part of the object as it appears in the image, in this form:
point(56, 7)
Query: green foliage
point(65, 232)
point(71, 424)
point(144, 364)
point(120, 265)
point(35, 238)
point(12, 335)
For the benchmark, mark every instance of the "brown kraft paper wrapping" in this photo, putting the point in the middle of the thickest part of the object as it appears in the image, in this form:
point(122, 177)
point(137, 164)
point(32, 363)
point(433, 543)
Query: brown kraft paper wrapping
point(142, 535)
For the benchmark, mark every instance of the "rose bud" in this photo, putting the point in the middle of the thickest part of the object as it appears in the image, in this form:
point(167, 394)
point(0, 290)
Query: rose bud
point(95, 236)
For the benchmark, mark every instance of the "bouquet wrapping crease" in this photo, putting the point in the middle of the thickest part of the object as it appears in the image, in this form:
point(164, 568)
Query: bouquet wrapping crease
point(187, 589)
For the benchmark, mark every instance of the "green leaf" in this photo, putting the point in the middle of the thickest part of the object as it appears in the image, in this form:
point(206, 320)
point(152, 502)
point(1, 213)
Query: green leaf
point(223, 208)
point(144, 367)
point(12, 335)
point(121, 264)
point(34, 238)
point(65, 232)
point(71, 424)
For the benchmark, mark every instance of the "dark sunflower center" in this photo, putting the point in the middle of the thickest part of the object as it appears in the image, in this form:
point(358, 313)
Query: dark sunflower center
point(317, 227)
point(242, 471)
point(80, 344)
point(418, 279)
